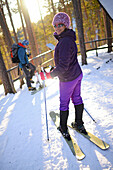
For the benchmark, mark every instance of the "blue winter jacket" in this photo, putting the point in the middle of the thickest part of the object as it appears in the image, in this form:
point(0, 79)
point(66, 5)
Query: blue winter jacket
point(65, 56)
point(22, 55)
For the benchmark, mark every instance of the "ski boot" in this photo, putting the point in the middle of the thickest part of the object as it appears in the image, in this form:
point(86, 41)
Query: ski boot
point(78, 123)
point(63, 124)
point(65, 134)
point(31, 81)
point(79, 128)
point(31, 88)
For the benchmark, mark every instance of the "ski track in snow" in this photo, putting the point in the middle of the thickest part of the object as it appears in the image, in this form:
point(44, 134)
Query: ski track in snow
point(23, 135)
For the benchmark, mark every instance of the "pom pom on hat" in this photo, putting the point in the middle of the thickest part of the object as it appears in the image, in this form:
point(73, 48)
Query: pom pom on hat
point(61, 18)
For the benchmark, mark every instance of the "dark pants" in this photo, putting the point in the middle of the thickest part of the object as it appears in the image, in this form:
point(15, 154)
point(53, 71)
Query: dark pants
point(29, 72)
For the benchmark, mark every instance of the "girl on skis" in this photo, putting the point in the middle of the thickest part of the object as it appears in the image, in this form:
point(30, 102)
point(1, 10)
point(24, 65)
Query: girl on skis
point(69, 72)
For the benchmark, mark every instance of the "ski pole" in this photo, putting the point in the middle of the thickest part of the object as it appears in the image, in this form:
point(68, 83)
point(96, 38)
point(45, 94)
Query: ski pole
point(45, 106)
point(90, 115)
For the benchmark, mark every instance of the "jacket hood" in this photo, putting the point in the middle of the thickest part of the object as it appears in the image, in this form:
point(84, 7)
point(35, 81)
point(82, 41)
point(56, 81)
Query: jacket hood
point(66, 33)
point(21, 45)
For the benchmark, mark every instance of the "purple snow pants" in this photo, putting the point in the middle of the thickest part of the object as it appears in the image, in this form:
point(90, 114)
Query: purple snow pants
point(70, 89)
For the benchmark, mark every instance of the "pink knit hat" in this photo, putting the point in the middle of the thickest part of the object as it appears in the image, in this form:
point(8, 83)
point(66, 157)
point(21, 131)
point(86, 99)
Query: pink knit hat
point(61, 18)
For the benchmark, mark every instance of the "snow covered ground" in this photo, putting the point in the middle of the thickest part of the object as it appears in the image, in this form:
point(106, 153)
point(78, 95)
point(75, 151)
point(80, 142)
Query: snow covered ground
point(23, 135)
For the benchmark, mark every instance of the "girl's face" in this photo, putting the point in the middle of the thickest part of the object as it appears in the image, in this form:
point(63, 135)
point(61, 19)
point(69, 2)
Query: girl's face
point(59, 28)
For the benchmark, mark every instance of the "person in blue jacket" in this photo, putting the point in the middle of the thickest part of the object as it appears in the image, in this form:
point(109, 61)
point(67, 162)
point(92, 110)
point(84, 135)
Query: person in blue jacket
point(69, 72)
point(28, 68)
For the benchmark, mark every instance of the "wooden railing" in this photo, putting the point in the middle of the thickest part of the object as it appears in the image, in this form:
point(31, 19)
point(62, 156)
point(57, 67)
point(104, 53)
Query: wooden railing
point(45, 63)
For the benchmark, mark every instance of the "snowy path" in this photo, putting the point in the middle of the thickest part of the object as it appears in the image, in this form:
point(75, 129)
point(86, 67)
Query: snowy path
point(23, 138)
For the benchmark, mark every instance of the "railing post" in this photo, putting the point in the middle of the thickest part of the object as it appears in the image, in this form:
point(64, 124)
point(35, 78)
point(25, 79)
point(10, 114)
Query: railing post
point(96, 49)
point(11, 82)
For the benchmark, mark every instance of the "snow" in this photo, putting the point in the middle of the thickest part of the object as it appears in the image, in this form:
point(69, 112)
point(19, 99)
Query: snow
point(23, 134)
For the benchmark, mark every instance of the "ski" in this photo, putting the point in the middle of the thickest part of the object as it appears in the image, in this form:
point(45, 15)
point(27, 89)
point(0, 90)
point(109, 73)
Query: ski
point(71, 143)
point(94, 139)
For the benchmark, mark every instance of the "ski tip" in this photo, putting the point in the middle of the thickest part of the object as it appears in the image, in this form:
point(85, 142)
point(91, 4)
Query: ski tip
point(79, 158)
point(105, 146)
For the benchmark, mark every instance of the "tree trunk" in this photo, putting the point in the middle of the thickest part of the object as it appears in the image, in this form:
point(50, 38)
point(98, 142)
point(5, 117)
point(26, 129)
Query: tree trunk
point(108, 30)
point(69, 11)
point(102, 29)
point(6, 32)
point(16, 39)
point(52, 5)
point(64, 6)
point(78, 16)
point(2, 43)
point(32, 41)
point(45, 37)
point(87, 30)
point(4, 77)
point(19, 9)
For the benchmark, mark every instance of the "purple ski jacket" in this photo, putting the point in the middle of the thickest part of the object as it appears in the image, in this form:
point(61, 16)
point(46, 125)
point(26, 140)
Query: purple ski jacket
point(67, 67)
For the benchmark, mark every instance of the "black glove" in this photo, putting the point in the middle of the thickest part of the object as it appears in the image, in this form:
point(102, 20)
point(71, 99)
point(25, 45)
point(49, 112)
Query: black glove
point(52, 68)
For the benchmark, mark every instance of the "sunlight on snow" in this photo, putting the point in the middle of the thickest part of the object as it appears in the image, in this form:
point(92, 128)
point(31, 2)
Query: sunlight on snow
point(4, 123)
point(30, 134)
point(16, 96)
point(4, 105)
point(53, 149)
point(83, 167)
point(103, 160)
point(42, 96)
point(34, 101)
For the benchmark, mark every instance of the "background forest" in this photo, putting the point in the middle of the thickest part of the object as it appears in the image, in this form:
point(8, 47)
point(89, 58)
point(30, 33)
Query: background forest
point(40, 33)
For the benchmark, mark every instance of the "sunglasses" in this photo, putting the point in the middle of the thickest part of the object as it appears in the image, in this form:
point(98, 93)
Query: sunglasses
point(58, 25)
